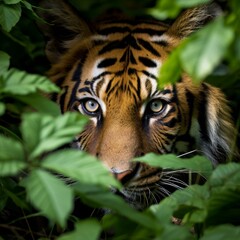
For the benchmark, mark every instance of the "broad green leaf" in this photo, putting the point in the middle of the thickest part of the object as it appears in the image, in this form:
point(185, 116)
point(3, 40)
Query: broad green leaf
point(205, 49)
point(49, 195)
point(16, 199)
point(9, 15)
point(80, 166)
point(11, 156)
point(226, 175)
point(197, 164)
point(89, 229)
point(2, 108)
point(22, 83)
point(223, 205)
point(4, 62)
point(185, 204)
point(40, 103)
point(98, 197)
point(11, 1)
point(170, 71)
point(42, 133)
point(222, 232)
point(30, 8)
point(170, 9)
point(174, 232)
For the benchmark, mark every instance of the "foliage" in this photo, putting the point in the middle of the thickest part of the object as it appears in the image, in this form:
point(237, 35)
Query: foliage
point(40, 178)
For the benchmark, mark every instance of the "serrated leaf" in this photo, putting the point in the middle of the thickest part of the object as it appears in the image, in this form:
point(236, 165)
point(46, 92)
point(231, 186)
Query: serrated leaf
point(197, 164)
point(85, 230)
point(49, 195)
point(222, 232)
point(48, 132)
point(23, 83)
point(205, 49)
point(80, 166)
point(4, 62)
point(11, 156)
point(9, 15)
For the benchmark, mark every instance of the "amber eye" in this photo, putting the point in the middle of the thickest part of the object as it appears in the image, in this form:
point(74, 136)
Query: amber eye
point(156, 106)
point(90, 106)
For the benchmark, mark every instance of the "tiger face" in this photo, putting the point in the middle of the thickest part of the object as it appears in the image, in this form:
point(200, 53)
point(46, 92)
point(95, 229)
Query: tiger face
point(109, 72)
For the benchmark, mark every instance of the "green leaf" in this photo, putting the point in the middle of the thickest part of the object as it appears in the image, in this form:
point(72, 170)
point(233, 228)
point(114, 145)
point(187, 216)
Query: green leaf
point(197, 164)
point(205, 49)
point(185, 204)
point(2, 108)
point(222, 232)
point(11, 1)
point(170, 9)
point(80, 166)
point(49, 195)
point(40, 103)
point(9, 15)
point(42, 133)
point(4, 62)
point(11, 156)
point(22, 83)
point(226, 175)
point(89, 229)
point(170, 71)
point(101, 197)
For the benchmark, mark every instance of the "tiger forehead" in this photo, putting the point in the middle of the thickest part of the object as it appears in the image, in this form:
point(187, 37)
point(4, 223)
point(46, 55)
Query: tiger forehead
point(125, 58)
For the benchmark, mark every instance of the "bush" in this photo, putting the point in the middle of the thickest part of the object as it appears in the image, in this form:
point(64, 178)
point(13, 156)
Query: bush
point(38, 187)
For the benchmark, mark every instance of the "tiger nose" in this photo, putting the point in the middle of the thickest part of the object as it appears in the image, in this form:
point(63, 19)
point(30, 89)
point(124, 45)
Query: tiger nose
point(121, 175)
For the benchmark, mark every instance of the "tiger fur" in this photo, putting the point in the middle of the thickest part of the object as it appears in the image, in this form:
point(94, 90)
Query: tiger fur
point(109, 70)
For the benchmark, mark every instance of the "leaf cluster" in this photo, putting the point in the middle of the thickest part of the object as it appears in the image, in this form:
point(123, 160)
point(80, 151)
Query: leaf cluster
point(41, 177)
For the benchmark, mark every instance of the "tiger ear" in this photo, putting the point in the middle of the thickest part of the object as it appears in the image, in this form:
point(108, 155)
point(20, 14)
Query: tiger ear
point(62, 27)
point(217, 132)
point(192, 19)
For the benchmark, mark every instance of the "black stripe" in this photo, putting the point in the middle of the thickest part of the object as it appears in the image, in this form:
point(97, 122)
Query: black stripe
point(148, 31)
point(113, 45)
point(124, 56)
point(147, 62)
point(82, 90)
point(165, 91)
point(190, 100)
point(202, 116)
point(107, 62)
point(149, 74)
point(109, 85)
point(132, 58)
point(171, 123)
point(149, 47)
point(111, 30)
point(63, 98)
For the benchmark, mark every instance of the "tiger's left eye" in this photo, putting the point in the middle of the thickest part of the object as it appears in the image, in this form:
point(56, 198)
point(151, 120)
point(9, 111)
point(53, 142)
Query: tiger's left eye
point(156, 106)
point(91, 106)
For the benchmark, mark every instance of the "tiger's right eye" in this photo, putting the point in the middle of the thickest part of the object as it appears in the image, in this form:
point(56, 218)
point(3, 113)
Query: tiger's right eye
point(90, 107)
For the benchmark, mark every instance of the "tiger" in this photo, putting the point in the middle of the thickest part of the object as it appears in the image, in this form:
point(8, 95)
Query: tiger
point(108, 70)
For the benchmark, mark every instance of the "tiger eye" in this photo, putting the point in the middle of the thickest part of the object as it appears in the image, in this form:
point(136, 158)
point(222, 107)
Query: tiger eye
point(91, 106)
point(156, 106)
